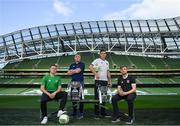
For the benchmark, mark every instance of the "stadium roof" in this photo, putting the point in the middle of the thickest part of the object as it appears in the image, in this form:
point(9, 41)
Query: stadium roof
point(160, 37)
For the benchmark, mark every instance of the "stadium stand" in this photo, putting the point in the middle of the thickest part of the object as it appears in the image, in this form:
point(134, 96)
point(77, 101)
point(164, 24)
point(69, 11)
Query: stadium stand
point(133, 62)
point(150, 48)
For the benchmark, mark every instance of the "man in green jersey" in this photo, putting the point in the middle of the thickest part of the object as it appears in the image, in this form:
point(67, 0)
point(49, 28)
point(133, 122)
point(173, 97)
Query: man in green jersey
point(51, 88)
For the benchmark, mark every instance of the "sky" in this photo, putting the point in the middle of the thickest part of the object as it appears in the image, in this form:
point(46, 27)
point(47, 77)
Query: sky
point(21, 14)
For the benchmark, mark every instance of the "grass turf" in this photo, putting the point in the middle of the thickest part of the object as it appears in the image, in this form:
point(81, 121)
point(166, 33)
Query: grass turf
point(158, 110)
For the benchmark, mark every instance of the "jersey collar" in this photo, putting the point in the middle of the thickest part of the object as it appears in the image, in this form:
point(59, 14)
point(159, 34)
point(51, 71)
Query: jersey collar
point(51, 75)
point(102, 59)
point(124, 77)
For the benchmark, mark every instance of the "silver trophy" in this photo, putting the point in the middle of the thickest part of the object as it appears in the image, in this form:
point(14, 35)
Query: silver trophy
point(104, 94)
point(75, 91)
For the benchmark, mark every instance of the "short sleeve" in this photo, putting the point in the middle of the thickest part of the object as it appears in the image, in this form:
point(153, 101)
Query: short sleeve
point(59, 81)
point(94, 62)
point(107, 65)
point(43, 81)
point(119, 82)
point(133, 80)
point(70, 67)
point(82, 66)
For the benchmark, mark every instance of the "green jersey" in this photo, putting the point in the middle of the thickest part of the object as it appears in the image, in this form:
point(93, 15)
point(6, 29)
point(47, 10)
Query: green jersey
point(51, 83)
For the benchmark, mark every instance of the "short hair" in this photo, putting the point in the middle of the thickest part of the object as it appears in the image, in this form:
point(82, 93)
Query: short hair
point(102, 50)
point(77, 54)
point(123, 66)
point(53, 65)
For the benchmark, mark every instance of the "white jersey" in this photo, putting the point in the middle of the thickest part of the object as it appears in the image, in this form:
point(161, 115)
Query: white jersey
point(101, 66)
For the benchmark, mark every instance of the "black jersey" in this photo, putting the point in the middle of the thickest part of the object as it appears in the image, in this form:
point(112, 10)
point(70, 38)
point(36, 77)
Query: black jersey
point(126, 83)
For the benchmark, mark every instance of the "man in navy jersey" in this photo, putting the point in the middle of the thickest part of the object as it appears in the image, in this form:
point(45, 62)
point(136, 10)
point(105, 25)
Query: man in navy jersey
point(126, 89)
point(76, 71)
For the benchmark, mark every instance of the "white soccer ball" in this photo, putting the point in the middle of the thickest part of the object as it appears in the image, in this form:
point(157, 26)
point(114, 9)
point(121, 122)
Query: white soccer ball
point(64, 119)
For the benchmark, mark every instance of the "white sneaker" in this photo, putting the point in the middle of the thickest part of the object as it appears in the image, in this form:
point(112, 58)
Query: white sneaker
point(129, 122)
point(60, 112)
point(45, 120)
point(115, 120)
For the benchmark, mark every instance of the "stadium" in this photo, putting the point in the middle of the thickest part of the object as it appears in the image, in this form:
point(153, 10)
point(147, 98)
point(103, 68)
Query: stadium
point(150, 49)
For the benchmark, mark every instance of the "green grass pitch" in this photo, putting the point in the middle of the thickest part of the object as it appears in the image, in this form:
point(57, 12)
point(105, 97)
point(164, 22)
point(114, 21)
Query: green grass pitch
point(151, 109)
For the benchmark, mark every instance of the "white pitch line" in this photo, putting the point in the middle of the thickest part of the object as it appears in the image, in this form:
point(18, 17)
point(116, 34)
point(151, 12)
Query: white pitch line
point(172, 80)
point(37, 92)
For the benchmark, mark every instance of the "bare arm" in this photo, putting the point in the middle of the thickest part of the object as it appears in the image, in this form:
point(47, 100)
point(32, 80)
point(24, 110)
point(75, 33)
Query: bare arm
point(58, 90)
point(93, 71)
point(77, 70)
point(119, 90)
point(44, 90)
point(50, 95)
point(71, 72)
point(132, 90)
point(122, 93)
point(109, 78)
point(54, 93)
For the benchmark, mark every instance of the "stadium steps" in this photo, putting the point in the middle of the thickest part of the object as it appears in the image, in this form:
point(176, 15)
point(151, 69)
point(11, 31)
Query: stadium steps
point(140, 62)
point(176, 79)
point(58, 62)
point(87, 58)
point(113, 64)
point(28, 63)
point(156, 63)
point(46, 62)
point(37, 64)
point(66, 61)
point(173, 63)
point(137, 62)
point(120, 60)
point(131, 62)
point(12, 65)
point(149, 62)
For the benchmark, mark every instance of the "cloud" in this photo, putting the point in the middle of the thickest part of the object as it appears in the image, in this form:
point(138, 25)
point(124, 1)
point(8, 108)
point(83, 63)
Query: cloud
point(61, 8)
point(148, 9)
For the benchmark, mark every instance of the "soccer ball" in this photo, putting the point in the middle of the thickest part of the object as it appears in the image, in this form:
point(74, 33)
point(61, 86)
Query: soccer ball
point(64, 119)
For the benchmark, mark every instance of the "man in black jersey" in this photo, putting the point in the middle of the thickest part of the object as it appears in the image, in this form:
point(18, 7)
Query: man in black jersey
point(126, 89)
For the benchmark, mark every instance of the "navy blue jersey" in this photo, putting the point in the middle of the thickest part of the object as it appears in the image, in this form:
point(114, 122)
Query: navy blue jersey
point(77, 76)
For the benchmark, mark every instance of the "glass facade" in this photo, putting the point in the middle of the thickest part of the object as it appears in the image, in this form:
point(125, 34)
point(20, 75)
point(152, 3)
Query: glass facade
point(160, 36)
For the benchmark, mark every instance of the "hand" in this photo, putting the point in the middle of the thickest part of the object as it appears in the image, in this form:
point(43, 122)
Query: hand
point(97, 76)
point(122, 93)
point(69, 72)
point(110, 84)
point(72, 72)
point(52, 95)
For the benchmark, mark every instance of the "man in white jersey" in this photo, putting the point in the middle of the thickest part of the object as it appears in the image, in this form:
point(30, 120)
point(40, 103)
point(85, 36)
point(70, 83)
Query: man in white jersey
point(100, 68)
